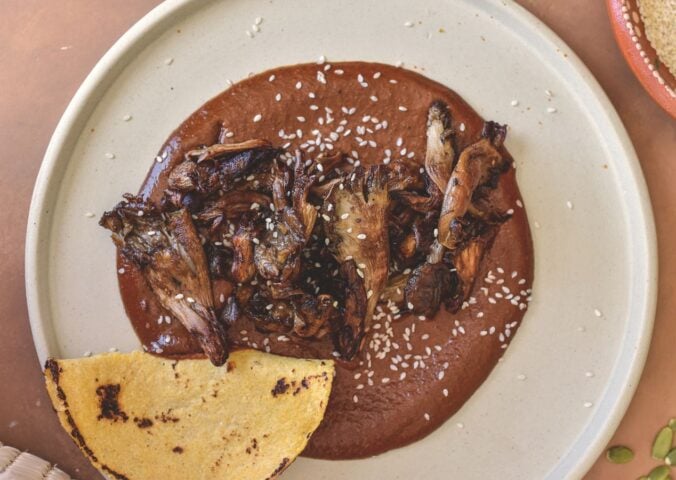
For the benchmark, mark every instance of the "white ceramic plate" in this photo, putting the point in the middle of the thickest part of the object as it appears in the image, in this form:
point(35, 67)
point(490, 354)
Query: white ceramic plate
point(596, 252)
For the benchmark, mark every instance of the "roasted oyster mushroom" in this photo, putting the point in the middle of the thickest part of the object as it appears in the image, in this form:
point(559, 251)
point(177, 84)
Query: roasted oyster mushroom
point(357, 232)
point(277, 256)
point(439, 153)
point(476, 165)
point(216, 167)
point(168, 252)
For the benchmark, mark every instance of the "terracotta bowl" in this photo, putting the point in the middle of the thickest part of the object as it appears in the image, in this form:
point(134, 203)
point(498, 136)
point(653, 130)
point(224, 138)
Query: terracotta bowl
point(640, 55)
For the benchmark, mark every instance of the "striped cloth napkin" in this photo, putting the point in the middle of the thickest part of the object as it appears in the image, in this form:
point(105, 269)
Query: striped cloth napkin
point(17, 465)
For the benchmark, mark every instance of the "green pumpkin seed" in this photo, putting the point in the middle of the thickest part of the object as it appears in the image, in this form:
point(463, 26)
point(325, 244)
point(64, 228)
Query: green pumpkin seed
point(672, 424)
point(662, 443)
point(619, 454)
point(659, 473)
point(670, 459)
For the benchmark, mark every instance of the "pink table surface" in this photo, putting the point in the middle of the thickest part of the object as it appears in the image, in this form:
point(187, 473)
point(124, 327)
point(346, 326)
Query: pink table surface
point(48, 46)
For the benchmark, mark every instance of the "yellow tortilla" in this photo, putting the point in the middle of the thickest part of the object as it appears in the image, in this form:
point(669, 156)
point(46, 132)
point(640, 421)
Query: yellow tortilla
point(137, 416)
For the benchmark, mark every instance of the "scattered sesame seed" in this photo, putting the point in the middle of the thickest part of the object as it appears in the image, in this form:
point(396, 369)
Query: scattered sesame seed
point(278, 97)
point(408, 24)
point(87, 354)
point(249, 34)
point(427, 417)
point(551, 110)
point(299, 85)
point(321, 60)
point(589, 374)
point(587, 404)
point(597, 312)
point(514, 103)
point(361, 236)
point(569, 204)
point(169, 61)
point(461, 127)
point(120, 271)
point(445, 392)
point(402, 108)
point(126, 118)
point(460, 425)
point(89, 214)
point(112, 349)
point(355, 399)
point(109, 155)
point(258, 21)
point(179, 296)
point(521, 376)
point(257, 118)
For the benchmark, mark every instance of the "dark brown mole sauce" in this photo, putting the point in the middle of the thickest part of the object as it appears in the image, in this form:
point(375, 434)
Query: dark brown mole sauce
point(412, 374)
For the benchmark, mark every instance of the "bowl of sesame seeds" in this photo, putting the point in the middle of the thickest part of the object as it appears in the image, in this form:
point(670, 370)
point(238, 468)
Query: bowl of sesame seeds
point(645, 31)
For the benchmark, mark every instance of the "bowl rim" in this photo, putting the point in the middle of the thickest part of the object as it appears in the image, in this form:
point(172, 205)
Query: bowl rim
point(632, 55)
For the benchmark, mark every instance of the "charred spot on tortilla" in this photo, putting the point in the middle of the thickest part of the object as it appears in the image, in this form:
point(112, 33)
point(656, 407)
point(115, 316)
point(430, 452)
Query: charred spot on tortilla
point(280, 387)
point(143, 422)
point(109, 403)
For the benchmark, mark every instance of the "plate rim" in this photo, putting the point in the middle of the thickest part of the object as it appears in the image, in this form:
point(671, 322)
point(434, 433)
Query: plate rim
point(107, 69)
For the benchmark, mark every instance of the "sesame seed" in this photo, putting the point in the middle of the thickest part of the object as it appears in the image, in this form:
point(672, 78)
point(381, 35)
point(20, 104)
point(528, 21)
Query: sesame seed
point(299, 85)
point(445, 392)
point(126, 118)
point(514, 103)
point(427, 417)
point(521, 377)
point(258, 21)
point(461, 127)
point(120, 271)
point(587, 404)
point(257, 118)
point(548, 92)
point(408, 24)
point(440, 375)
point(569, 204)
point(168, 61)
point(301, 119)
point(551, 110)
point(179, 296)
point(278, 97)
point(321, 60)
point(355, 399)
point(361, 236)
point(460, 425)
point(249, 34)
point(385, 380)
point(109, 155)
point(597, 312)
point(112, 349)
point(402, 108)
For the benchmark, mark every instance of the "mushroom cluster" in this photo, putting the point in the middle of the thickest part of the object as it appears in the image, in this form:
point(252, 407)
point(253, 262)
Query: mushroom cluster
point(311, 247)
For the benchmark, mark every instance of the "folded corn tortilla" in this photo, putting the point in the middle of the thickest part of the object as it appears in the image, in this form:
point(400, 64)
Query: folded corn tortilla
point(137, 416)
